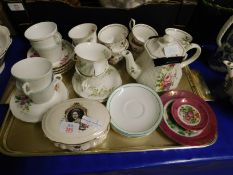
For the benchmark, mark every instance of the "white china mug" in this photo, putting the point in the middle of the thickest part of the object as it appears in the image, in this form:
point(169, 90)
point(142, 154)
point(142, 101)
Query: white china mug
point(91, 58)
point(43, 95)
point(139, 34)
point(36, 72)
point(85, 32)
point(114, 36)
point(53, 54)
point(44, 36)
point(183, 37)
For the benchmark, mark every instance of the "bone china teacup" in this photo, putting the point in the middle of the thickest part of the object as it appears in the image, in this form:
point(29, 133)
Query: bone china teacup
point(45, 39)
point(46, 94)
point(113, 36)
point(33, 73)
point(183, 37)
point(85, 32)
point(139, 34)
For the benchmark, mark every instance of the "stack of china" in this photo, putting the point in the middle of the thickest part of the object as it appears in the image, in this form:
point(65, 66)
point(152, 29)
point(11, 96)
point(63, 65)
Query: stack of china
point(139, 34)
point(160, 65)
point(37, 89)
point(85, 32)
point(188, 119)
point(5, 42)
point(136, 110)
point(47, 42)
point(65, 63)
point(114, 36)
point(94, 77)
point(76, 124)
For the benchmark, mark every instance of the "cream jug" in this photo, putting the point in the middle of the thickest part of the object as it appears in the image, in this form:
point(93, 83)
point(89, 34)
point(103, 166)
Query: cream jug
point(160, 64)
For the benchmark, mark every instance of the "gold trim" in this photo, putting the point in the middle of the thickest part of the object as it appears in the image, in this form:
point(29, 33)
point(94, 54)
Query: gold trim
point(18, 138)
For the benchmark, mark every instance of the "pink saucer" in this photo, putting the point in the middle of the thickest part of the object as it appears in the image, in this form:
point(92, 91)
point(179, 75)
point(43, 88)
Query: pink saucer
point(189, 113)
point(206, 136)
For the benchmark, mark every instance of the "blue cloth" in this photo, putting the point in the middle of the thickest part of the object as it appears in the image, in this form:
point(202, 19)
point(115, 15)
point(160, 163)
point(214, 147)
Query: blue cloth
point(214, 159)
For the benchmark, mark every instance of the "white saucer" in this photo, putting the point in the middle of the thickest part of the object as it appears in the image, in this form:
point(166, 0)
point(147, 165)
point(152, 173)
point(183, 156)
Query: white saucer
point(67, 54)
point(136, 110)
point(24, 109)
point(107, 82)
point(2, 68)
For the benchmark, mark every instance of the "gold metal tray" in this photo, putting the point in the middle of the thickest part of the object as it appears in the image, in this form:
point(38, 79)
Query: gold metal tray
point(18, 138)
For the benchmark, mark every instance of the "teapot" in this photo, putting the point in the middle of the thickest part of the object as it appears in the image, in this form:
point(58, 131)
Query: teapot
point(225, 47)
point(160, 65)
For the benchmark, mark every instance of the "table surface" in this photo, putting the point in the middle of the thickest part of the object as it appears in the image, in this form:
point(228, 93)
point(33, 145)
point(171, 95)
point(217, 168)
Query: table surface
point(214, 159)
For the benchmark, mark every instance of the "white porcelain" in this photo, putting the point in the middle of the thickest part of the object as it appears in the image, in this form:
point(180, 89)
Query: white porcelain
point(117, 55)
point(91, 58)
point(140, 33)
point(67, 122)
point(84, 146)
point(35, 74)
point(24, 109)
point(85, 32)
point(43, 35)
point(46, 94)
point(53, 54)
point(113, 36)
point(97, 87)
point(5, 40)
point(2, 66)
point(162, 77)
point(45, 39)
point(180, 35)
point(135, 48)
point(66, 58)
point(135, 109)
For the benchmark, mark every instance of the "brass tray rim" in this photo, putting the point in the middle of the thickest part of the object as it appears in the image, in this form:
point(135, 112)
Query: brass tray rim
point(8, 120)
point(7, 151)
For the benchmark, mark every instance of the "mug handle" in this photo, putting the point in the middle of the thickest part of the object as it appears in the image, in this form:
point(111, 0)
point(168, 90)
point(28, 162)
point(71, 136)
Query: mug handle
point(26, 88)
point(132, 23)
point(188, 61)
point(58, 38)
point(223, 30)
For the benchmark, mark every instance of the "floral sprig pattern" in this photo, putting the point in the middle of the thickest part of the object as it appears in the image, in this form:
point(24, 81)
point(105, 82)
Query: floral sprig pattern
point(23, 101)
point(176, 128)
point(189, 115)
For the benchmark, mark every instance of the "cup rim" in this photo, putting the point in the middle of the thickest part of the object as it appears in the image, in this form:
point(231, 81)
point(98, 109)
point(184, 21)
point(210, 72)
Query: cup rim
point(32, 27)
point(78, 26)
point(79, 46)
point(108, 26)
point(144, 25)
point(181, 31)
point(27, 60)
